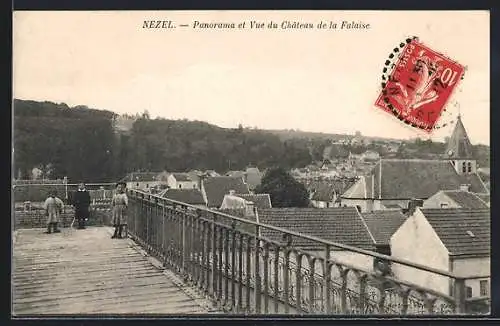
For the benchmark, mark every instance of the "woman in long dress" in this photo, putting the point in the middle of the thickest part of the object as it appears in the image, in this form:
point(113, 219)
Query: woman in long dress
point(120, 204)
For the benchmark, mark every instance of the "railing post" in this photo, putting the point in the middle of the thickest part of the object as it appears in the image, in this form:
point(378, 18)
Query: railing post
point(183, 240)
point(327, 280)
point(459, 294)
point(257, 288)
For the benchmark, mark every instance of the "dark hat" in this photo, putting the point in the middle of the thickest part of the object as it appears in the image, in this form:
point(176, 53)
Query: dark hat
point(124, 184)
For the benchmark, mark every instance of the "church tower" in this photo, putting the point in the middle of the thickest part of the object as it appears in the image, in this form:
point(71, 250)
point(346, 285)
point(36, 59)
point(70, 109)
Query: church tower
point(459, 150)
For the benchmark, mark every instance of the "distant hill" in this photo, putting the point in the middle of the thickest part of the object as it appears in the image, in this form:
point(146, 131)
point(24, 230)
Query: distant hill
point(292, 134)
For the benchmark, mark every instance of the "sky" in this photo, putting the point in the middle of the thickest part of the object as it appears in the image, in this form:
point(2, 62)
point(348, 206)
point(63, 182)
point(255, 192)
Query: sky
point(321, 80)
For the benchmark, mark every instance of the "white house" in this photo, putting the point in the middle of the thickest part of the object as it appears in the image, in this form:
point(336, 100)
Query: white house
point(143, 180)
point(451, 239)
point(181, 181)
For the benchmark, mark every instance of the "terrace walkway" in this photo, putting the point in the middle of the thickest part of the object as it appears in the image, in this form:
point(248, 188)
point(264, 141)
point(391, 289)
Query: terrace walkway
point(84, 271)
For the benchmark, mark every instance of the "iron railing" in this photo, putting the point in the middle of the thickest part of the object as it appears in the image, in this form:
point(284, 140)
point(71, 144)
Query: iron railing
point(242, 271)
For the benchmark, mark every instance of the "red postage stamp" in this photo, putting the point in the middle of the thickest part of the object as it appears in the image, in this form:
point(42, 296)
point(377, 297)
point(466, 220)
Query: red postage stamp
point(419, 85)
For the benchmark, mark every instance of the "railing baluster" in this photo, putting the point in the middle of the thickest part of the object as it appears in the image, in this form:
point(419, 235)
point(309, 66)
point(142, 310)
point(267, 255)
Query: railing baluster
point(312, 262)
point(214, 259)
point(343, 291)
point(298, 283)
point(226, 266)
point(220, 256)
point(276, 278)
point(459, 293)
point(362, 292)
point(327, 281)
point(286, 279)
point(266, 293)
point(240, 272)
point(248, 255)
point(233, 265)
point(257, 278)
point(208, 265)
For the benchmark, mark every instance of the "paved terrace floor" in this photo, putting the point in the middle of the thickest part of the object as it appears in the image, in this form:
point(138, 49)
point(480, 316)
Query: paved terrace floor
point(87, 272)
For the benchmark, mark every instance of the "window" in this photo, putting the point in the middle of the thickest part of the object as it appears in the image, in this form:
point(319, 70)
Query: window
point(444, 205)
point(147, 185)
point(483, 288)
point(180, 186)
point(469, 167)
point(464, 168)
point(137, 184)
point(469, 292)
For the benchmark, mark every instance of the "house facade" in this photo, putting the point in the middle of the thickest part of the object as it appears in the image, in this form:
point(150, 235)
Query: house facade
point(181, 181)
point(453, 240)
point(143, 180)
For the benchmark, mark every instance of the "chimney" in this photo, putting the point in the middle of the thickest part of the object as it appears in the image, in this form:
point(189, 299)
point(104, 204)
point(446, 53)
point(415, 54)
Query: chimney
point(465, 187)
point(413, 204)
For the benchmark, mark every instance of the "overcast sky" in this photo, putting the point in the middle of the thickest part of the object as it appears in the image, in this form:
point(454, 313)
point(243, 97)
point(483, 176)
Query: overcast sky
point(314, 80)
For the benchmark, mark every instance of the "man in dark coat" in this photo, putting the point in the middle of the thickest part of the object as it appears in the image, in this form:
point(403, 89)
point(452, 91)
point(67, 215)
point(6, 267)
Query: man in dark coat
point(81, 202)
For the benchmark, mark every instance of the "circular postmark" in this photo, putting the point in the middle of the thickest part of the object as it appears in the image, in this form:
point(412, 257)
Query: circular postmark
point(417, 83)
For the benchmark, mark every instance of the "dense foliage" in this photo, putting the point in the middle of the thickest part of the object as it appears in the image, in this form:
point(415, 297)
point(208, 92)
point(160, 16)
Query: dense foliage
point(283, 189)
point(80, 143)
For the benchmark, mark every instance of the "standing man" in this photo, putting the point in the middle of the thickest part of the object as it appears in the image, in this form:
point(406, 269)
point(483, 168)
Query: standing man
point(81, 202)
point(53, 208)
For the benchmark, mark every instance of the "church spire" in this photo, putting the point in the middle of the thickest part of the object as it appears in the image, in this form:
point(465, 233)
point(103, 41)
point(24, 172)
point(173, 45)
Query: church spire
point(459, 145)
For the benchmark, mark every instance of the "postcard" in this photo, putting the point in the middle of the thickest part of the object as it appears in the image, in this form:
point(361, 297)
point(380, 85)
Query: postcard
point(182, 163)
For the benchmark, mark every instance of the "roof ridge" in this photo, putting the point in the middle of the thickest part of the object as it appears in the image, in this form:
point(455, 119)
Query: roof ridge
point(366, 226)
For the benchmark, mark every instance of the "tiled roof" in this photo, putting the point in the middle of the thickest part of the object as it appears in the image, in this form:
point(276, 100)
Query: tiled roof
point(459, 145)
point(182, 177)
point(452, 226)
point(260, 200)
point(407, 178)
point(340, 224)
point(466, 199)
point(217, 187)
point(188, 196)
point(383, 224)
point(141, 176)
point(484, 197)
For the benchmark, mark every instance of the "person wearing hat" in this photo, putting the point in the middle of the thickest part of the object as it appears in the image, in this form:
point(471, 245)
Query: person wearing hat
point(119, 204)
point(81, 202)
point(53, 207)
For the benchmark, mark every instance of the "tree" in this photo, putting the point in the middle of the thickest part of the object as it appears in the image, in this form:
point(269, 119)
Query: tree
point(284, 190)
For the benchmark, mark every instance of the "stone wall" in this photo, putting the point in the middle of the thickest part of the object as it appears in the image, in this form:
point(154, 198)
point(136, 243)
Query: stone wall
point(37, 219)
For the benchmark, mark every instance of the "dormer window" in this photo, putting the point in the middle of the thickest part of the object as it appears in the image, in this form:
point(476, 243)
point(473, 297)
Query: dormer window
point(444, 205)
point(470, 234)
